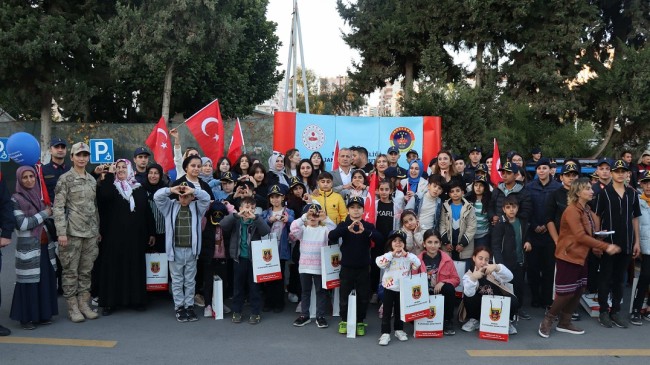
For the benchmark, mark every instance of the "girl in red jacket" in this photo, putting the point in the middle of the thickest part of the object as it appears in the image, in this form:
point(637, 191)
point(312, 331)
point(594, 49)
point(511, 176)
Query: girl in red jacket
point(442, 275)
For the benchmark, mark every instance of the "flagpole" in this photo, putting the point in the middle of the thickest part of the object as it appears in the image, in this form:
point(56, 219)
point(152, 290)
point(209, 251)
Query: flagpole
point(210, 103)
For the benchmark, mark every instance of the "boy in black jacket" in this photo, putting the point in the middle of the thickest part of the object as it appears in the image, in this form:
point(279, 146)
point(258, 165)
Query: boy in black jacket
point(357, 236)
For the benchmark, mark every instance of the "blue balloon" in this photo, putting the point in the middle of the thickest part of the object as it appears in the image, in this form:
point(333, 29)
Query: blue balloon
point(172, 175)
point(24, 149)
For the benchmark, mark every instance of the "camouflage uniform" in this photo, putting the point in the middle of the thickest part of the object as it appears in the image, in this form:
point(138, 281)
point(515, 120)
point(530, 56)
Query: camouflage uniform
point(75, 215)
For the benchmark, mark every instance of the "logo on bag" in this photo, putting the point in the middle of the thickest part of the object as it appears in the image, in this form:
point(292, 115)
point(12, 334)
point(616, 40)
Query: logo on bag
point(495, 313)
point(267, 254)
point(335, 260)
point(416, 292)
point(432, 312)
point(155, 267)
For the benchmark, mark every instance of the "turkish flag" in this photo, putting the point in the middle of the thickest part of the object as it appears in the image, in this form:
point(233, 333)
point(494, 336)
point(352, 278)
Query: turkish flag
point(159, 143)
point(495, 175)
point(45, 196)
point(335, 159)
point(370, 206)
point(236, 143)
point(207, 127)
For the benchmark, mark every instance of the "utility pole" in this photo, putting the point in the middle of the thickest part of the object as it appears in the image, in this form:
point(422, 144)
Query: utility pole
point(291, 74)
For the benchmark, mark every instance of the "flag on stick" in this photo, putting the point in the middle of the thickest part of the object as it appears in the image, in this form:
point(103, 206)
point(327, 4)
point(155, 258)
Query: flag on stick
point(207, 127)
point(495, 175)
point(161, 146)
point(236, 143)
point(335, 159)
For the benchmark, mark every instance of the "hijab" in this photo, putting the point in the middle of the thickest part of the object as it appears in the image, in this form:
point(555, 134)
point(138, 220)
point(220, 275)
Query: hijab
point(279, 173)
point(125, 187)
point(206, 177)
point(151, 189)
point(29, 200)
point(414, 181)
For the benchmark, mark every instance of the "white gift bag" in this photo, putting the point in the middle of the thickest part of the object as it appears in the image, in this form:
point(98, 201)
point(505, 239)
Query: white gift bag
point(336, 295)
point(217, 298)
point(413, 297)
point(330, 263)
point(352, 315)
point(495, 318)
point(312, 302)
point(157, 271)
point(461, 268)
point(432, 325)
point(266, 260)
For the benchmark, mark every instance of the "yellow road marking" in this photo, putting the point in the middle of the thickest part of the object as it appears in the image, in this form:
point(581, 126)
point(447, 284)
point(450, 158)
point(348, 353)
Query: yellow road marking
point(559, 353)
point(57, 341)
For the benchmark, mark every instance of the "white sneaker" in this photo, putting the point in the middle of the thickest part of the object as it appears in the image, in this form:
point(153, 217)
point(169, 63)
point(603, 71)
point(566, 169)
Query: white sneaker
point(512, 330)
point(374, 299)
point(384, 339)
point(207, 311)
point(471, 325)
point(293, 298)
point(401, 335)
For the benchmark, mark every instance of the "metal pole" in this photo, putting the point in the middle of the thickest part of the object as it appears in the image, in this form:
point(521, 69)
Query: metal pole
point(288, 74)
point(295, 54)
point(302, 62)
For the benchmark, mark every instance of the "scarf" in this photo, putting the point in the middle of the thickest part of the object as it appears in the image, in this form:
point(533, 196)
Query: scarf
point(414, 181)
point(29, 200)
point(150, 188)
point(279, 173)
point(126, 187)
point(645, 198)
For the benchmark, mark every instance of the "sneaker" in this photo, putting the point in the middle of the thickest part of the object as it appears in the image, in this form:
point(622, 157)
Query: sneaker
point(522, 314)
point(301, 321)
point(191, 316)
point(635, 319)
point(343, 327)
point(512, 330)
point(226, 310)
point(448, 328)
point(198, 300)
point(471, 325)
point(575, 316)
point(28, 326)
point(181, 315)
point(321, 322)
point(646, 316)
point(604, 320)
point(293, 298)
point(207, 311)
point(4, 331)
point(384, 339)
point(236, 317)
point(374, 299)
point(254, 319)
point(401, 335)
point(361, 329)
point(617, 321)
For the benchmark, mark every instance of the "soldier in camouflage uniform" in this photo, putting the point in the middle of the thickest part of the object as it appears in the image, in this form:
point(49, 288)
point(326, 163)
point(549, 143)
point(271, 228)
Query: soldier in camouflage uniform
point(77, 223)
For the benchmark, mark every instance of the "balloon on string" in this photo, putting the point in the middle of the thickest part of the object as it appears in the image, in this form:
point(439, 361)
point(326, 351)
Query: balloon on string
point(24, 149)
point(172, 175)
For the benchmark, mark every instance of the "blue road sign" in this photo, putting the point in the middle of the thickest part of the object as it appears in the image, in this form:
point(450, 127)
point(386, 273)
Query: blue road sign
point(101, 151)
point(4, 156)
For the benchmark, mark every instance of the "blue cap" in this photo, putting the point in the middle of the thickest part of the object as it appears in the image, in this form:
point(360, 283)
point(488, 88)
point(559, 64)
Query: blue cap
point(510, 167)
point(603, 160)
point(476, 148)
point(57, 141)
point(392, 149)
point(543, 161)
point(356, 200)
point(620, 165)
point(275, 190)
point(644, 176)
point(141, 151)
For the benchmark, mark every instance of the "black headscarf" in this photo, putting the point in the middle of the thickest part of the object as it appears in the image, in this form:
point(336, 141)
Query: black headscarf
point(151, 189)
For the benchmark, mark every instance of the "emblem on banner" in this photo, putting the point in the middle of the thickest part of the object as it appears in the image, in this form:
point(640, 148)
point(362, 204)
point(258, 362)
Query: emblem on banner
point(155, 267)
point(495, 313)
point(416, 292)
point(432, 312)
point(335, 260)
point(402, 138)
point(313, 137)
point(267, 254)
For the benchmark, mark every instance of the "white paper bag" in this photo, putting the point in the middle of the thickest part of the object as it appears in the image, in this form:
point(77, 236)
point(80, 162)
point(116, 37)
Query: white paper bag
point(352, 315)
point(461, 268)
point(495, 318)
point(157, 271)
point(312, 302)
point(330, 263)
point(413, 297)
point(266, 260)
point(336, 310)
point(432, 325)
point(217, 298)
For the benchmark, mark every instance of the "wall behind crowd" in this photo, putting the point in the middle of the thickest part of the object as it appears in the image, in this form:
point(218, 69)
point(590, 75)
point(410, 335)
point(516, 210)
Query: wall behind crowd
point(257, 131)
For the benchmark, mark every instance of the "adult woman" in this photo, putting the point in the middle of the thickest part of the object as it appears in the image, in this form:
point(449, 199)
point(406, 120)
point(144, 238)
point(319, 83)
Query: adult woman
point(242, 166)
point(192, 168)
point(414, 183)
point(35, 299)
point(306, 174)
point(156, 180)
point(576, 239)
point(518, 160)
point(127, 228)
point(381, 164)
point(276, 173)
point(317, 162)
point(291, 161)
point(445, 168)
point(206, 170)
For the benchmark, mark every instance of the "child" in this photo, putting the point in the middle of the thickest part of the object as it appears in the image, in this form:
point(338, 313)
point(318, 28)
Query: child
point(243, 228)
point(485, 279)
point(279, 218)
point(411, 226)
point(183, 242)
point(480, 197)
point(330, 201)
point(509, 244)
point(357, 236)
point(224, 189)
point(212, 258)
point(397, 263)
point(427, 204)
point(644, 230)
point(359, 186)
point(458, 223)
point(312, 229)
point(441, 274)
point(296, 201)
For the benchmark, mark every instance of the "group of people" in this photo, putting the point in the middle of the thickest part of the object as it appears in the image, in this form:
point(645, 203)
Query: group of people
point(428, 218)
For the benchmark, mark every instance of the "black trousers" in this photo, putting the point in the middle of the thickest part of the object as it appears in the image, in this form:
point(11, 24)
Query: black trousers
point(354, 279)
point(213, 267)
point(540, 269)
point(642, 285)
point(449, 292)
point(274, 290)
point(391, 306)
point(610, 279)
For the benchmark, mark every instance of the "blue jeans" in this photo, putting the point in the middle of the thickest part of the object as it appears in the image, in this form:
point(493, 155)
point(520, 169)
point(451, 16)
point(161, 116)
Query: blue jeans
point(306, 281)
point(243, 276)
point(183, 273)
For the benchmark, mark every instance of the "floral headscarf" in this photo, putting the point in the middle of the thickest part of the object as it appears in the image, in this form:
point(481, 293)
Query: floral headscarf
point(126, 187)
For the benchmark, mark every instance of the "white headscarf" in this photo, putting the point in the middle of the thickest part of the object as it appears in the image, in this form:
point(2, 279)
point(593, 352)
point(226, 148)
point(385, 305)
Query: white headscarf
point(126, 187)
point(279, 173)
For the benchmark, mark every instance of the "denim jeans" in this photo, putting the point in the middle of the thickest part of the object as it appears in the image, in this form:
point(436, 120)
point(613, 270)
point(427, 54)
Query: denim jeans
point(306, 281)
point(183, 273)
point(243, 276)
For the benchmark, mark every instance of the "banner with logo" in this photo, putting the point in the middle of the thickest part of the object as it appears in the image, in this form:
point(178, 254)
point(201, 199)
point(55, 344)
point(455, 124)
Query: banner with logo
point(217, 298)
point(495, 318)
point(311, 132)
point(431, 326)
point(330, 263)
point(413, 297)
point(157, 271)
point(266, 260)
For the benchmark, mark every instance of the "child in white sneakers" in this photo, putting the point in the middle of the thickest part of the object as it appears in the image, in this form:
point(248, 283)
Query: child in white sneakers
point(397, 263)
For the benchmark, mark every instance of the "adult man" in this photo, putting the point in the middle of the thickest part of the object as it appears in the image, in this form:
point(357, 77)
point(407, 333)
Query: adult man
point(77, 225)
point(360, 159)
point(7, 224)
point(644, 161)
point(604, 172)
point(393, 156)
point(342, 177)
point(141, 161)
point(56, 167)
point(634, 169)
point(475, 155)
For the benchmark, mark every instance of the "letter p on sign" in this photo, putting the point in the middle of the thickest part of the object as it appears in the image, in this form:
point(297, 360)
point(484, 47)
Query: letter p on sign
point(101, 151)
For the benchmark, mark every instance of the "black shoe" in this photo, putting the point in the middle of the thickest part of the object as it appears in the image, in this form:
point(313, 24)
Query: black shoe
point(45, 322)
point(4, 331)
point(107, 311)
point(635, 319)
point(191, 316)
point(301, 321)
point(617, 321)
point(575, 316)
point(181, 315)
point(321, 322)
point(28, 326)
point(448, 328)
point(523, 314)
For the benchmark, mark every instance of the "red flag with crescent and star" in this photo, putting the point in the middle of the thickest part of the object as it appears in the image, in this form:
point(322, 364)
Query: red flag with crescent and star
point(236, 143)
point(161, 146)
point(207, 127)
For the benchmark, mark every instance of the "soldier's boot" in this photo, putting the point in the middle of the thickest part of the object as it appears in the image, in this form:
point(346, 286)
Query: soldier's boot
point(73, 310)
point(84, 308)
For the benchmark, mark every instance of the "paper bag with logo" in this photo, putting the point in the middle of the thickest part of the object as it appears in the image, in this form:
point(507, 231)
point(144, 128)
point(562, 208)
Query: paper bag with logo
point(330, 263)
point(217, 298)
point(461, 268)
point(352, 315)
point(266, 260)
point(495, 318)
point(157, 271)
point(431, 325)
point(413, 297)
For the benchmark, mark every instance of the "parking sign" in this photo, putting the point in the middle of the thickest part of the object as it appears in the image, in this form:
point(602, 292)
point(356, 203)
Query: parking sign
point(4, 156)
point(101, 150)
